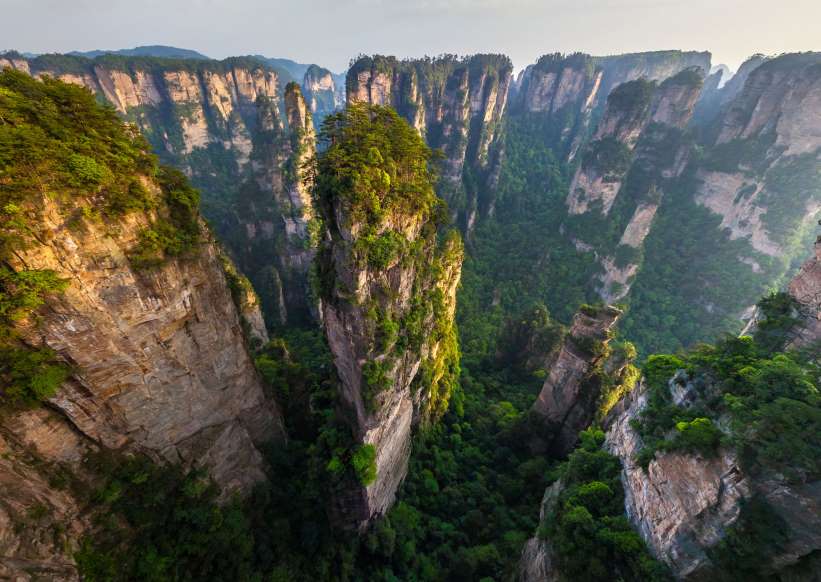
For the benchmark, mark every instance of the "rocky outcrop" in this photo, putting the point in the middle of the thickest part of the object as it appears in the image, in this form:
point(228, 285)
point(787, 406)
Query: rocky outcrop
point(563, 89)
point(275, 232)
point(457, 106)
point(154, 352)
point(631, 109)
point(651, 66)
point(538, 560)
point(43, 511)
point(639, 149)
point(240, 135)
point(388, 314)
point(160, 367)
point(767, 147)
point(321, 93)
point(562, 93)
point(162, 364)
point(682, 504)
point(568, 400)
point(720, 90)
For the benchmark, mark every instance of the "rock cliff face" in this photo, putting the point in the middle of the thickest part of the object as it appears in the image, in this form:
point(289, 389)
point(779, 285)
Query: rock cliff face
point(388, 301)
point(239, 135)
point(156, 354)
point(805, 288)
point(684, 504)
point(639, 148)
point(565, 91)
point(564, 94)
point(322, 93)
point(161, 358)
point(767, 148)
point(631, 109)
point(457, 105)
point(274, 232)
point(569, 397)
point(651, 66)
point(718, 91)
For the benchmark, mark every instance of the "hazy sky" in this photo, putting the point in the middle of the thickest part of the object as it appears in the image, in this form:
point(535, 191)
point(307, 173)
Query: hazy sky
point(330, 32)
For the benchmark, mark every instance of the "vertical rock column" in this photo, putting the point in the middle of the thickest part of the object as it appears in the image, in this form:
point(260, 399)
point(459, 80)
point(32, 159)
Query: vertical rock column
point(388, 285)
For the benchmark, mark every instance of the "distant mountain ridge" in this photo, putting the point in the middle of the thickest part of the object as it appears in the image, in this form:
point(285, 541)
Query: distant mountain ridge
point(156, 50)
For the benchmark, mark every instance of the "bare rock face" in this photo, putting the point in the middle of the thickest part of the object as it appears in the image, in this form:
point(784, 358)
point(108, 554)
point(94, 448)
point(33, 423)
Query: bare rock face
point(41, 516)
point(273, 240)
point(162, 362)
point(632, 108)
point(321, 93)
point(538, 560)
point(806, 290)
point(720, 91)
point(682, 504)
point(156, 359)
point(567, 402)
point(537, 563)
point(457, 105)
point(161, 367)
point(385, 420)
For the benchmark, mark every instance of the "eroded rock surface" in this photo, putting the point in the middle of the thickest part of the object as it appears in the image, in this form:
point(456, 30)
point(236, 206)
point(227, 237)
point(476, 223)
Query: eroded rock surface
point(567, 402)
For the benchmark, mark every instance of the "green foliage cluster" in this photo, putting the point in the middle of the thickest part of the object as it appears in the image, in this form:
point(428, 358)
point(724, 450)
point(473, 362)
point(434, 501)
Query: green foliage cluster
point(586, 526)
point(175, 529)
point(779, 315)
point(689, 77)
point(364, 463)
point(380, 251)
point(556, 62)
point(375, 380)
point(746, 551)
point(632, 97)
point(615, 384)
point(609, 156)
point(375, 164)
point(174, 235)
point(57, 142)
point(789, 187)
point(527, 339)
point(771, 398)
point(748, 155)
point(683, 294)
